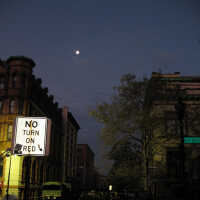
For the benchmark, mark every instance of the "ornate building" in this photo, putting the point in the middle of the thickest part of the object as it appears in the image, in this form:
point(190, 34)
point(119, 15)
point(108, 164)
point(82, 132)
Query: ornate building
point(22, 94)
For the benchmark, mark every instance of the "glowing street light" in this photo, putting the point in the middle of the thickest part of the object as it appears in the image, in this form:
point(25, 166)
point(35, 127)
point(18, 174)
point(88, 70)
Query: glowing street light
point(110, 188)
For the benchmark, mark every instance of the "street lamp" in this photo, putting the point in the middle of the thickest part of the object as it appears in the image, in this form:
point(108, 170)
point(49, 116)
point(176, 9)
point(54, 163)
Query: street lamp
point(7, 153)
point(180, 111)
point(110, 191)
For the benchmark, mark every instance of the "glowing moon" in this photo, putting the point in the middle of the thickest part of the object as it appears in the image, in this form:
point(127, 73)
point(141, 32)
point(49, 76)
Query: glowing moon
point(77, 52)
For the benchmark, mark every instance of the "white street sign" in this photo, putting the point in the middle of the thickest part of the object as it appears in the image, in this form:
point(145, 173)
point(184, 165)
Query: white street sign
point(33, 134)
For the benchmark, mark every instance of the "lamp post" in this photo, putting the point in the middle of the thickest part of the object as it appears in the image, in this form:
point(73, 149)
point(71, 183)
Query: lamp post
point(110, 191)
point(7, 153)
point(180, 111)
point(8, 184)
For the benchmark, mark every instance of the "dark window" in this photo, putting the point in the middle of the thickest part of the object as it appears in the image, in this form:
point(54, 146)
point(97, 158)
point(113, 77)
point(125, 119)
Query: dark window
point(12, 106)
point(51, 187)
point(24, 168)
point(54, 172)
point(173, 163)
point(171, 124)
point(1, 106)
point(41, 176)
point(21, 106)
point(14, 81)
point(23, 80)
point(2, 82)
point(33, 172)
point(171, 127)
point(196, 169)
point(48, 173)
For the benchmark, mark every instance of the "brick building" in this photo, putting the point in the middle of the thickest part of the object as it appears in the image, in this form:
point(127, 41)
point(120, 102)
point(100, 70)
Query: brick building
point(22, 94)
point(70, 129)
point(86, 169)
point(164, 98)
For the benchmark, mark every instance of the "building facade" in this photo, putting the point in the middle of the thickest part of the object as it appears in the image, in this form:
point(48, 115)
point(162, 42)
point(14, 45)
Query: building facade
point(165, 97)
point(70, 130)
point(86, 169)
point(22, 94)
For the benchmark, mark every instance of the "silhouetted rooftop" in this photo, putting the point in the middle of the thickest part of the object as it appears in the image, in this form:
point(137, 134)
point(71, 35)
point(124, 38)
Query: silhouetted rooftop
point(11, 58)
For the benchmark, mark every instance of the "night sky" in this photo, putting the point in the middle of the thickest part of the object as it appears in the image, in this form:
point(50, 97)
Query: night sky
point(114, 37)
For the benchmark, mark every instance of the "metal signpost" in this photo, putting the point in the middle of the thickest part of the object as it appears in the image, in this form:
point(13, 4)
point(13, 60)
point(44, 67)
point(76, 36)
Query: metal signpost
point(32, 134)
point(31, 137)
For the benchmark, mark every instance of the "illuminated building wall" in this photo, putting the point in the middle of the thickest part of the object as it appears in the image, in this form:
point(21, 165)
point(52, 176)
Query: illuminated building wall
point(189, 87)
point(22, 94)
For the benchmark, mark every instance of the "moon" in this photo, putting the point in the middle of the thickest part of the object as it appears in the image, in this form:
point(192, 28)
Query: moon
point(77, 52)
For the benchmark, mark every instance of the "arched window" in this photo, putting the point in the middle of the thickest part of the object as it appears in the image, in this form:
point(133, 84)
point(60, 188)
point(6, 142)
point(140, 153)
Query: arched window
point(12, 106)
point(2, 82)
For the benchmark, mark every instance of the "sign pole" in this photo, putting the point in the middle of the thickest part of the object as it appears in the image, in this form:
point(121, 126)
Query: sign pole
point(27, 177)
point(8, 184)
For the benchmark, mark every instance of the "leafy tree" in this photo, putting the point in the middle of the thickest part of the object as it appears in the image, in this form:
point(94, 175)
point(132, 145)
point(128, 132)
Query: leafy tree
point(126, 171)
point(130, 117)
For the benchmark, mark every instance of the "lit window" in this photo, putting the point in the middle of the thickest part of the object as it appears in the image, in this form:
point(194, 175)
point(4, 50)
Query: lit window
point(9, 132)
